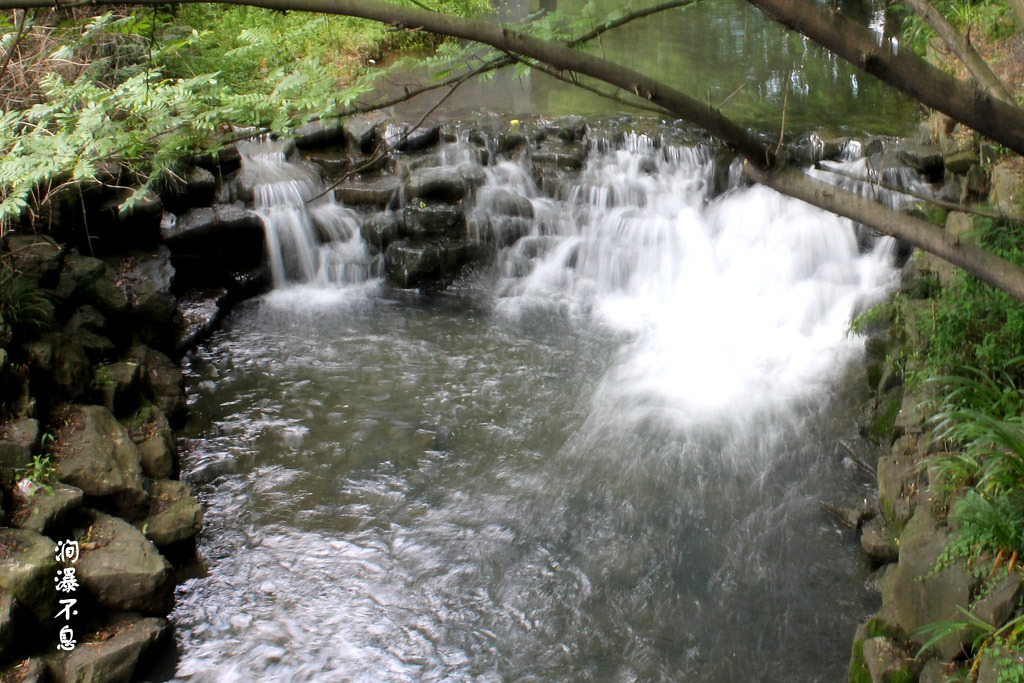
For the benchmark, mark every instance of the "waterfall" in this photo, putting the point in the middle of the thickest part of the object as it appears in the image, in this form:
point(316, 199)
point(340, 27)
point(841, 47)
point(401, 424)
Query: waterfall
point(311, 239)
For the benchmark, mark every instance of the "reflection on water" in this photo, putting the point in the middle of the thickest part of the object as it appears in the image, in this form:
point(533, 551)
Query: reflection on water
point(721, 51)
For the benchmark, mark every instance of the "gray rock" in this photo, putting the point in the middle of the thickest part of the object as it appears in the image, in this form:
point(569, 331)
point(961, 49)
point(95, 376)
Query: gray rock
point(7, 624)
point(914, 594)
point(113, 659)
point(431, 221)
point(199, 313)
point(27, 568)
point(498, 200)
point(935, 671)
point(87, 326)
point(19, 441)
point(27, 671)
point(96, 454)
point(1007, 191)
point(77, 273)
point(37, 257)
point(44, 511)
point(118, 386)
point(924, 159)
point(61, 365)
point(319, 134)
point(148, 277)
point(210, 223)
point(994, 661)
point(898, 484)
point(380, 193)
point(886, 661)
point(878, 541)
point(424, 264)
point(153, 435)
point(174, 514)
point(439, 183)
point(998, 604)
point(381, 229)
point(164, 381)
point(960, 162)
point(332, 162)
point(122, 569)
point(420, 138)
point(359, 130)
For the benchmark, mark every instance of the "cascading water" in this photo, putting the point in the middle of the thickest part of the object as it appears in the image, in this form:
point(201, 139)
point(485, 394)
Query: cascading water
point(311, 239)
point(604, 461)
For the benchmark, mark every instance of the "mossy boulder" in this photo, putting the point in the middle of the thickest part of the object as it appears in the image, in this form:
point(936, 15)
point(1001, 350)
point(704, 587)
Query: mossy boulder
point(44, 509)
point(118, 386)
point(37, 257)
point(121, 568)
point(174, 514)
point(152, 433)
point(19, 442)
point(96, 454)
point(115, 657)
point(27, 568)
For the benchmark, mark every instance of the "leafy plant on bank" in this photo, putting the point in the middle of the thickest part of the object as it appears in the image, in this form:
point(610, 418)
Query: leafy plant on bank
point(990, 18)
point(24, 307)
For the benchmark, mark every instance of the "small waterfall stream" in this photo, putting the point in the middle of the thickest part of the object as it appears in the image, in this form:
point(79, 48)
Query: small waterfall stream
point(600, 459)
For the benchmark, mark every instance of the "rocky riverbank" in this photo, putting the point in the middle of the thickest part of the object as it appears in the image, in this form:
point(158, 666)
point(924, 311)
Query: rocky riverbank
point(909, 529)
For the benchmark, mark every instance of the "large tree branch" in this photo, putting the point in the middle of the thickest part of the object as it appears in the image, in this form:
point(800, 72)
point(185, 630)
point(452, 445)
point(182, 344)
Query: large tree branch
point(962, 100)
point(957, 42)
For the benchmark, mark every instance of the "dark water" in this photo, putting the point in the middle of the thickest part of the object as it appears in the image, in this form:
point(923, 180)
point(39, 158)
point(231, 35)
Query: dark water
point(721, 51)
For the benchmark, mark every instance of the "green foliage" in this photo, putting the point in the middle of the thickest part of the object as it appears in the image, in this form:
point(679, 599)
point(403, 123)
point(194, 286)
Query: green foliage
point(23, 306)
point(41, 473)
point(988, 17)
point(974, 324)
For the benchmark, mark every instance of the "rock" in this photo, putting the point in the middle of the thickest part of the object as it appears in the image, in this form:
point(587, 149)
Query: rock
point(198, 315)
point(497, 200)
point(381, 229)
point(122, 569)
point(87, 326)
point(19, 441)
point(96, 454)
point(118, 386)
point(148, 277)
point(319, 134)
point(37, 257)
point(42, 511)
point(420, 138)
point(998, 604)
point(995, 661)
point(899, 483)
point(152, 433)
point(174, 514)
point(926, 160)
point(165, 382)
point(1007, 193)
point(472, 175)
point(359, 130)
point(77, 273)
point(438, 183)
point(27, 671)
point(960, 162)
point(196, 187)
point(914, 594)
point(229, 235)
point(86, 280)
point(974, 182)
point(332, 162)
point(878, 541)
point(380, 193)
point(60, 364)
point(431, 221)
point(887, 662)
point(935, 671)
point(423, 264)
point(916, 282)
point(27, 568)
point(115, 658)
point(7, 624)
